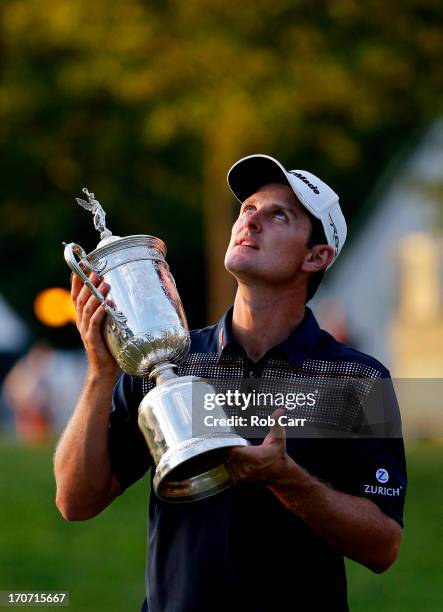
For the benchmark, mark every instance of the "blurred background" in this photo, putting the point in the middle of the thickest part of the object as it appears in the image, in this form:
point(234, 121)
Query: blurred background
point(148, 104)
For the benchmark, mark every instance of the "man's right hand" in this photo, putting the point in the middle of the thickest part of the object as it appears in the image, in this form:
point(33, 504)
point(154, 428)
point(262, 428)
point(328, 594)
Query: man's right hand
point(82, 463)
point(90, 315)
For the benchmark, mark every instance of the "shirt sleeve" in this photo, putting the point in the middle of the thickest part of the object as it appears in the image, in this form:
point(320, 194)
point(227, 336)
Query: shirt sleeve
point(377, 462)
point(130, 457)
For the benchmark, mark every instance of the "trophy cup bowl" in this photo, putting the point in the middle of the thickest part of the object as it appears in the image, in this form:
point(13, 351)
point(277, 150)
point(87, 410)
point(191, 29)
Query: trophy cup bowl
point(146, 331)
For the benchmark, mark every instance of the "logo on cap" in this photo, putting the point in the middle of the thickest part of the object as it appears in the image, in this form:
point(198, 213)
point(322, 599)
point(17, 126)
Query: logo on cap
point(335, 235)
point(305, 180)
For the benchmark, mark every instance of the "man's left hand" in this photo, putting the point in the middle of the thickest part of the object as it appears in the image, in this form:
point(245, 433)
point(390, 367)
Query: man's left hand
point(266, 462)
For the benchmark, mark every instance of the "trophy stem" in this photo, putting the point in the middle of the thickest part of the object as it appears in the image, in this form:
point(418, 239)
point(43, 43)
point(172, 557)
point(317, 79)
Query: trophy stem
point(163, 372)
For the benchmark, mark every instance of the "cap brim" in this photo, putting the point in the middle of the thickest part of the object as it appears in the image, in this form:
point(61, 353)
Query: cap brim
point(252, 172)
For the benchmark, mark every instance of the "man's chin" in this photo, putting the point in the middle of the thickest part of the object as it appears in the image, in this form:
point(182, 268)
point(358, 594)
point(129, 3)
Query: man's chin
point(242, 271)
point(235, 267)
point(248, 274)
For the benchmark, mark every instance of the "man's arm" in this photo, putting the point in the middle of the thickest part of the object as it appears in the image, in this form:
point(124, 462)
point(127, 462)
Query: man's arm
point(82, 464)
point(354, 525)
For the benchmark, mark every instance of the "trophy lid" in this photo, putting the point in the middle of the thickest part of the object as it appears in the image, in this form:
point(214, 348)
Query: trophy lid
point(108, 240)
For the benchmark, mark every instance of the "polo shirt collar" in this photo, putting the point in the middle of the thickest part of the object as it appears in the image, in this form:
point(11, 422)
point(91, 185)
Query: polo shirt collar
point(296, 348)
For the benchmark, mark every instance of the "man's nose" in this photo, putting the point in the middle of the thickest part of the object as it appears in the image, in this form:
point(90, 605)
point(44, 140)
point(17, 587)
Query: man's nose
point(253, 221)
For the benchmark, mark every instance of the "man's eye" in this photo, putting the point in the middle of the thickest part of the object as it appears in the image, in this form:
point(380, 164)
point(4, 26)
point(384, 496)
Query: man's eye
point(248, 209)
point(280, 214)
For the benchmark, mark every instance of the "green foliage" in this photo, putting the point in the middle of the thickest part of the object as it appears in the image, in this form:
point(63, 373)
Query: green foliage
point(132, 99)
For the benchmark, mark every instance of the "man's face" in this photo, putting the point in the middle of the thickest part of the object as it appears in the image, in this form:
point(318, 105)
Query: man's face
point(269, 238)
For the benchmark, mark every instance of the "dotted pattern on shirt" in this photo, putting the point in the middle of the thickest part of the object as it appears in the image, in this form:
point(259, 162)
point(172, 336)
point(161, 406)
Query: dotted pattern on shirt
point(341, 386)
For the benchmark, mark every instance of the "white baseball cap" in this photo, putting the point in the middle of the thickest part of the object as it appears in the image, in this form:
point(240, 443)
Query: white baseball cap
point(250, 173)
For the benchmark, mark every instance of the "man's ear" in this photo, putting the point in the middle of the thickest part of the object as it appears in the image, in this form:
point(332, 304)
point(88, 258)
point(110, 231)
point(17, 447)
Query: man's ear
point(318, 258)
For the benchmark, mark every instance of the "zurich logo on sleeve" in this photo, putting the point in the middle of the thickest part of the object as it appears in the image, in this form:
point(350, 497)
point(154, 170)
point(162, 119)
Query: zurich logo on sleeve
point(382, 475)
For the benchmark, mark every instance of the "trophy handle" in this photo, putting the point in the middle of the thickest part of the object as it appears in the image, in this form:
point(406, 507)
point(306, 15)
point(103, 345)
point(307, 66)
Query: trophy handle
point(71, 250)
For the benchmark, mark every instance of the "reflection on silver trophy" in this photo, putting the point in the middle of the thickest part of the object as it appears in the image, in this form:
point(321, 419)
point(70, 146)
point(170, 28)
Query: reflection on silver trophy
point(147, 334)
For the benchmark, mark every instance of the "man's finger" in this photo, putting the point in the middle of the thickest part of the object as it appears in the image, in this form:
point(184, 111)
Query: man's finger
point(85, 292)
point(277, 430)
point(242, 452)
point(97, 318)
point(92, 303)
point(76, 286)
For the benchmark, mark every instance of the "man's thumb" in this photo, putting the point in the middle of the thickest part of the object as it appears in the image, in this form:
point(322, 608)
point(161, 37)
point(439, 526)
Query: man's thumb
point(277, 430)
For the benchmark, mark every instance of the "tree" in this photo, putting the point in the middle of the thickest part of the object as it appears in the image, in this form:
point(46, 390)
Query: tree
point(147, 99)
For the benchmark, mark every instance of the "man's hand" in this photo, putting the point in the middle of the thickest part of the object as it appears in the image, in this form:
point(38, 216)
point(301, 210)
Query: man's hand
point(90, 315)
point(82, 462)
point(266, 462)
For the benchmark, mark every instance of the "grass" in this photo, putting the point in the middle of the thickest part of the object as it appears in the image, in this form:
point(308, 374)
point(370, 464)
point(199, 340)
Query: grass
point(101, 562)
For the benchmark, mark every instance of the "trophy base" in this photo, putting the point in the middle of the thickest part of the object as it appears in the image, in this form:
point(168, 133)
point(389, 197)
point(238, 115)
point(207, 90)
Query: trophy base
point(196, 470)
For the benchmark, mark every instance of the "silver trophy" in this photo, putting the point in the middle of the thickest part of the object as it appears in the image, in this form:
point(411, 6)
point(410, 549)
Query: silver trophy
point(147, 334)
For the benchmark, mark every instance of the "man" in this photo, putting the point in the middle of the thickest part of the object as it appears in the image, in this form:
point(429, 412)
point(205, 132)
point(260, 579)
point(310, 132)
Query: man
point(276, 539)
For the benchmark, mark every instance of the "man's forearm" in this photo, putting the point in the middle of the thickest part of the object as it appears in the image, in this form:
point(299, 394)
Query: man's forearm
point(353, 525)
point(82, 462)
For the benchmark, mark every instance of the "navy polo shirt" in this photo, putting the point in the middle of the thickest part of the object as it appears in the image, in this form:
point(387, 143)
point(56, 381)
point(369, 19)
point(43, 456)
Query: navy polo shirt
point(242, 549)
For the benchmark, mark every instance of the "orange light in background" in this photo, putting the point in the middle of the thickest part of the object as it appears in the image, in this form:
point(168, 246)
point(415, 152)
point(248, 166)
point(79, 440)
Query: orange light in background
point(54, 307)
